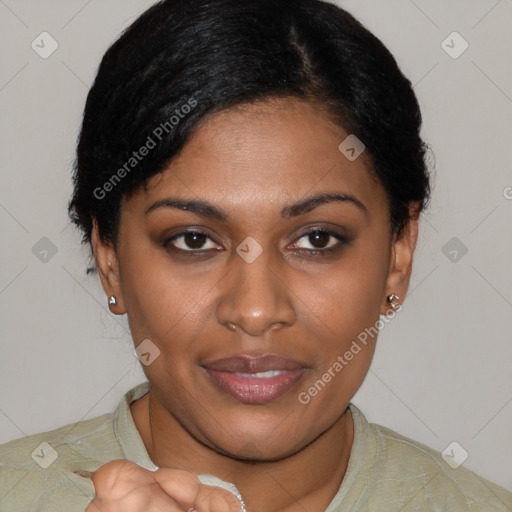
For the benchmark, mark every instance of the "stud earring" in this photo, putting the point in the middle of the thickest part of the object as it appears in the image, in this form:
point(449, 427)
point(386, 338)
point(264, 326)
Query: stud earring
point(394, 301)
point(112, 301)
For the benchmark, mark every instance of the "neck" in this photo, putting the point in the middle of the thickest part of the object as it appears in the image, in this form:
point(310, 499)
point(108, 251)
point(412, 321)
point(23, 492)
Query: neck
point(307, 480)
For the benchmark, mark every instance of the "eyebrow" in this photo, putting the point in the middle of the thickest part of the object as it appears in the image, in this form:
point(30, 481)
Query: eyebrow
point(206, 209)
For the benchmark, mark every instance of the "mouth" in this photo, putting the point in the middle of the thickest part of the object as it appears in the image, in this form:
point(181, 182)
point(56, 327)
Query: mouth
point(255, 380)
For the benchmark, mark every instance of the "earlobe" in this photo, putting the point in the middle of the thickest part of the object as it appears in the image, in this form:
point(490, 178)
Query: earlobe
point(400, 268)
point(108, 268)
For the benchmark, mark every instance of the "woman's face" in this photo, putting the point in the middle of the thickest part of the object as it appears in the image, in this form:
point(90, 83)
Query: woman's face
point(252, 313)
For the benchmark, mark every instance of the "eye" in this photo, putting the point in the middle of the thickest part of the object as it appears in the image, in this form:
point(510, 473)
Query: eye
point(191, 241)
point(321, 241)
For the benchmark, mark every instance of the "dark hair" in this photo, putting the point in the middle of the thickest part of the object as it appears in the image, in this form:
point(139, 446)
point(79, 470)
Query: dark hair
point(182, 60)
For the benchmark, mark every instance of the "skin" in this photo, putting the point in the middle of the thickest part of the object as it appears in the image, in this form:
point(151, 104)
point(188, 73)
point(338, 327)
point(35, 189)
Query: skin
point(252, 161)
point(123, 486)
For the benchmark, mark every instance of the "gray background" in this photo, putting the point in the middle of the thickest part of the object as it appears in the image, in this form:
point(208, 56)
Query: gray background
point(442, 368)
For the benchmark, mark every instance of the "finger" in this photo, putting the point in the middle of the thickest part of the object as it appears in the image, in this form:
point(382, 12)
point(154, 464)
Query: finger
point(140, 499)
point(183, 486)
point(216, 499)
point(117, 478)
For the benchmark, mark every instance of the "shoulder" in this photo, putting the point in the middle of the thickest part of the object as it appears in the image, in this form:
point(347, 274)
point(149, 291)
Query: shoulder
point(424, 476)
point(39, 469)
point(37, 472)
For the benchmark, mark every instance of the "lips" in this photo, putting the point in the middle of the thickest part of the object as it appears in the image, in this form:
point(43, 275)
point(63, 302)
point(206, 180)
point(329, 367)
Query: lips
point(255, 380)
point(249, 364)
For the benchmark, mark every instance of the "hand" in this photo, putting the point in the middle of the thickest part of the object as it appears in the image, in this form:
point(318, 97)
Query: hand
point(123, 486)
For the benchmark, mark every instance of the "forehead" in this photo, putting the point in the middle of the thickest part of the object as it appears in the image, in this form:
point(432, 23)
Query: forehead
point(262, 156)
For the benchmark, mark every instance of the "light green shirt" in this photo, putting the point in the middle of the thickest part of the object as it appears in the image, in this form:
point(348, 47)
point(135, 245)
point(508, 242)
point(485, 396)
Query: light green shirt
point(387, 472)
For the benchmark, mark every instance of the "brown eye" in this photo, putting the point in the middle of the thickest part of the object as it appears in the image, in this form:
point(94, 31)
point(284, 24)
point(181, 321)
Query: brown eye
point(321, 241)
point(190, 241)
point(194, 240)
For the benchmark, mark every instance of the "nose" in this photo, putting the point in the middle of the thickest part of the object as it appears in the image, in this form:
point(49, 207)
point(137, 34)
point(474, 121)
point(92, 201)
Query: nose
point(256, 298)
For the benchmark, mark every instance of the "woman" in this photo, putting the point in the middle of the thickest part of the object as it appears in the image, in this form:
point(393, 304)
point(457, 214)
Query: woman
point(249, 175)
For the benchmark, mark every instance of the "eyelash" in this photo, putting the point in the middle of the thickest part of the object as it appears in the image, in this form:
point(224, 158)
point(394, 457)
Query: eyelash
point(343, 240)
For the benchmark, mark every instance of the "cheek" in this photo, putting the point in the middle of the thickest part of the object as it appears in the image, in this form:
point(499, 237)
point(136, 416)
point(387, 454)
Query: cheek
point(155, 298)
point(347, 306)
point(348, 297)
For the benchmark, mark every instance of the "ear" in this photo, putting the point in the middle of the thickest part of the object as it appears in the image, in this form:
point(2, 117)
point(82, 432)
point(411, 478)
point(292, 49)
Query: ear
point(108, 267)
point(400, 264)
